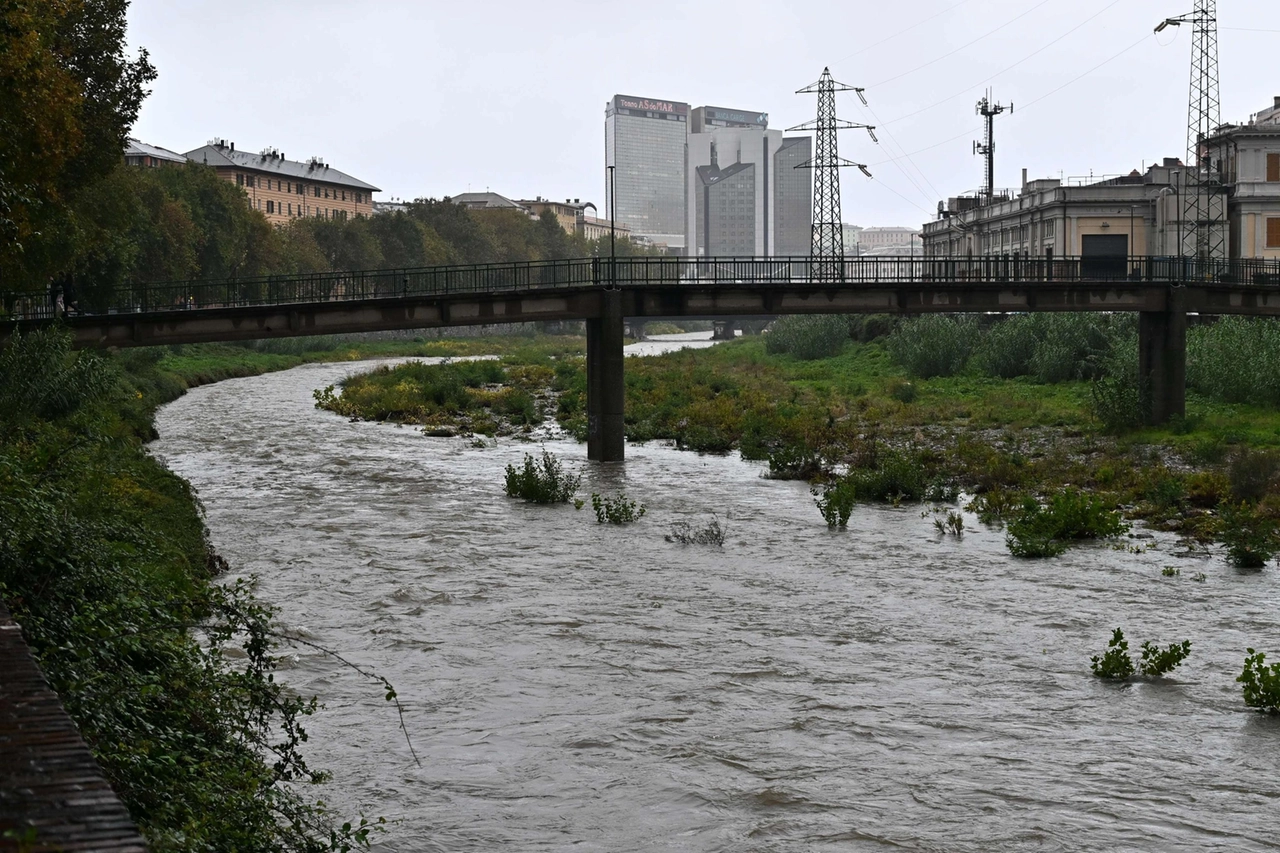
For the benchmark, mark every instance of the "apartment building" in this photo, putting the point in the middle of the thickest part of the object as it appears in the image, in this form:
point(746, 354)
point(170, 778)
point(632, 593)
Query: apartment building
point(283, 189)
point(150, 156)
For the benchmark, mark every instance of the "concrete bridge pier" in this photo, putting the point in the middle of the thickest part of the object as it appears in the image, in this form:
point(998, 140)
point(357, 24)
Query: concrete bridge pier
point(1162, 357)
point(606, 392)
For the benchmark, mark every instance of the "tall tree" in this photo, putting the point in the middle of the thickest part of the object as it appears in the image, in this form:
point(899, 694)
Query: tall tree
point(457, 226)
point(553, 242)
point(407, 243)
point(68, 96)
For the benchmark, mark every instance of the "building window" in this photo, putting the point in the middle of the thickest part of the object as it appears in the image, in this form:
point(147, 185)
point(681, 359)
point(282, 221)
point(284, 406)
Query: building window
point(248, 180)
point(271, 207)
point(1273, 232)
point(1273, 168)
point(239, 179)
point(317, 191)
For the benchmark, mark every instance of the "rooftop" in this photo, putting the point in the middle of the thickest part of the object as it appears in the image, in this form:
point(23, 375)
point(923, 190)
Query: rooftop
point(134, 148)
point(485, 200)
point(220, 152)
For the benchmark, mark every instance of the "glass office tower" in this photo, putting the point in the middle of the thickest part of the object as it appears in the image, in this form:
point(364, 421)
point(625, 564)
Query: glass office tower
point(793, 197)
point(644, 139)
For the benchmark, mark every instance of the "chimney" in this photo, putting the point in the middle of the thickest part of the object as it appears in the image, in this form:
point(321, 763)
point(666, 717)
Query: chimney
point(233, 146)
point(1277, 100)
point(1024, 177)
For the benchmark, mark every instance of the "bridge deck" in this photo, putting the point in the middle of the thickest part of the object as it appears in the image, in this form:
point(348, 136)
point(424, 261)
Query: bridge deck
point(346, 302)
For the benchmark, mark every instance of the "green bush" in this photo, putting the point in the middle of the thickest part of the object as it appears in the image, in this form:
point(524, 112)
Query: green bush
point(808, 336)
point(995, 505)
point(1116, 663)
point(934, 345)
point(1260, 683)
point(898, 476)
point(902, 391)
point(541, 481)
point(170, 677)
point(1008, 347)
point(616, 510)
point(1252, 473)
point(795, 462)
point(1046, 530)
point(1119, 402)
point(1075, 346)
point(1234, 360)
point(1055, 347)
point(835, 501)
point(1252, 538)
point(1157, 661)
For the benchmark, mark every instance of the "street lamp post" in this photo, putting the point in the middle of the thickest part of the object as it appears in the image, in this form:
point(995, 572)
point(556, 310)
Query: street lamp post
point(613, 228)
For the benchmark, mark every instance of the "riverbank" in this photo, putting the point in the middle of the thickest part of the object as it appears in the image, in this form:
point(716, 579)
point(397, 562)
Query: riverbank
point(167, 672)
point(817, 418)
point(741, 693)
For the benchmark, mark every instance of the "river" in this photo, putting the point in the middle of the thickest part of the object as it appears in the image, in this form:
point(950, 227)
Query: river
point(570, 685)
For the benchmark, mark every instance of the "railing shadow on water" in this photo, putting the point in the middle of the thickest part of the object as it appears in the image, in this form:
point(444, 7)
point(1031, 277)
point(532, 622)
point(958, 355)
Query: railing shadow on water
point(645, 271)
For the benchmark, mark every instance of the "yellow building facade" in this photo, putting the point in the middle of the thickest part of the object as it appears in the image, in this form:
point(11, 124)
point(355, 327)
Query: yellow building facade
point(284, 190)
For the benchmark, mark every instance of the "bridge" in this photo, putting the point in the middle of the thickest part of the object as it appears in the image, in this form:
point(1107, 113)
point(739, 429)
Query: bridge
point(604, 291)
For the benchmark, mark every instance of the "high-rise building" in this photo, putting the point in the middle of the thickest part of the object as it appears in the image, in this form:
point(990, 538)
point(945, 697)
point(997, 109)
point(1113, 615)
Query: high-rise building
point(745, 196)
point(645, 143)
point(793, 198)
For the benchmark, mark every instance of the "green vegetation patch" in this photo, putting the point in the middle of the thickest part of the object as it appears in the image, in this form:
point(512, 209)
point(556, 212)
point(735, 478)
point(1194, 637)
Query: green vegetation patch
point(1117, 665)
point(104, 561)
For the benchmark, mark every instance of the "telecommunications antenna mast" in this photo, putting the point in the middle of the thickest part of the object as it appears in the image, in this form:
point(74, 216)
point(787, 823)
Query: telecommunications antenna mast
point(1203, 202)
point(826, 248)
point(987, 148)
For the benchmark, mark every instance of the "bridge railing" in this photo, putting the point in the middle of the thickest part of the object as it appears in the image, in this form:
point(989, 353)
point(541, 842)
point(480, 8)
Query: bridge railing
point(875, 270)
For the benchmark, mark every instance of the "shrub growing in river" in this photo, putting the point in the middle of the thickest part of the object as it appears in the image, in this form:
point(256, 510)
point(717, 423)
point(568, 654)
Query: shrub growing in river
point(710, 533)
point(616, 510)
point(1045, 530)
point(835, 501)
point(1260, 683)
point(1157, 661)
point(1252, 538)
point(542, 481)
point(1116, 663)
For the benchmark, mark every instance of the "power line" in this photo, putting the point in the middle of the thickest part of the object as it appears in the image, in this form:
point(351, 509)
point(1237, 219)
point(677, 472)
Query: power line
point(938, 59)
point(1085, 74)
point(1028, 105)
point(968, 89)
point(904, 155)
point(904, 31)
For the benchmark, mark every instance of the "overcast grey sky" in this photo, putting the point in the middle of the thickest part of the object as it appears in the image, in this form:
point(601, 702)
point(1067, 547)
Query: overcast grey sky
point(435, 98)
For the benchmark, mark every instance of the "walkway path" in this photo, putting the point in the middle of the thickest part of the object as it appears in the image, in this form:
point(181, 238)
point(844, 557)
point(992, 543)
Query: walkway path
point(52, 791)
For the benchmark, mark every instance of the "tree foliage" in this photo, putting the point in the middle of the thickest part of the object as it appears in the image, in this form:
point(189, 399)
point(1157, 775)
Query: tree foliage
point(68, 96)
point(104, 562)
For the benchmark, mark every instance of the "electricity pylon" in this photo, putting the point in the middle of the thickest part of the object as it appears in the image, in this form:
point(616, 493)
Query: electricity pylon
point(1203, 199)
point(826, 248)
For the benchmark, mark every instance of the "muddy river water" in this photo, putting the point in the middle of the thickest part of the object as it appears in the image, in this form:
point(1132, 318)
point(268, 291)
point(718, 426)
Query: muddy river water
point(575, 686)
